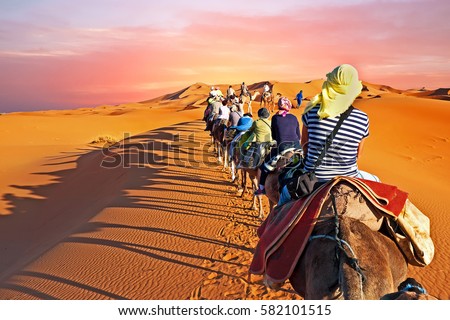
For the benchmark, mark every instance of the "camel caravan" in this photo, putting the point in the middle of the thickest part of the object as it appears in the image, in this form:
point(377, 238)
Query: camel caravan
point(333, 231)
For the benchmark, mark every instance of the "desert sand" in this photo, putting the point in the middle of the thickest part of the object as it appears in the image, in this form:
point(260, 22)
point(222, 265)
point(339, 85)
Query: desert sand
point(154, 217)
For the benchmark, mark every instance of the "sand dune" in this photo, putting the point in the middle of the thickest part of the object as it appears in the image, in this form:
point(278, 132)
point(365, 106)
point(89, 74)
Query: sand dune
point(166, 223)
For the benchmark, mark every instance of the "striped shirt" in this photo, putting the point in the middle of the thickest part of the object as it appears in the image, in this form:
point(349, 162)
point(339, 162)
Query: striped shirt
point(341, 157)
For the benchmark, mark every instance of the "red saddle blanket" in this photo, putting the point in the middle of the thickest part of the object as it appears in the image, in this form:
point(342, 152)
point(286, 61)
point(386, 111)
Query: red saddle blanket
point(286, 230)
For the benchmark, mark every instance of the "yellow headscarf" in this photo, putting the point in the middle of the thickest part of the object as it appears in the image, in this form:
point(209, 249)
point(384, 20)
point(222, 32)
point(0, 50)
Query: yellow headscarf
point(338, 92)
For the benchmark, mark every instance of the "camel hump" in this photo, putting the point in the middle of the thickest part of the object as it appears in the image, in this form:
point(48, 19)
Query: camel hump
point(351, 203)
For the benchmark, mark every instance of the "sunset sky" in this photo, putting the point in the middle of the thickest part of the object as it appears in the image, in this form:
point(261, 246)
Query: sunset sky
point(67, 54)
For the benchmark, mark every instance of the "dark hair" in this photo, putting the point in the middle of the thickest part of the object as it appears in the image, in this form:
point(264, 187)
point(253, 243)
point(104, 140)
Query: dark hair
point(263, 113)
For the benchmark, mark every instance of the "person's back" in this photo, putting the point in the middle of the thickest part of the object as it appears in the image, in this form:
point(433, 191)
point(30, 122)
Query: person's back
point(218, 93)
point(262, 127)
point(341, 157)
point(319, 119)
point(285, 129)
point(230, 92)
point(212, 92)
point(244, 89)
point(224, 112)
point(216, 107)
point(234, 116)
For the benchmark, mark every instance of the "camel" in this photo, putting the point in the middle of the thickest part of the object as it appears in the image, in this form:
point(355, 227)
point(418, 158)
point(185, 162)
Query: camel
point(247, 99)
point(252, 174)
point(228, 137)
point(244, 173)
point(345, 257)
point(272, 185)
point(267, 101)
point(218, 136)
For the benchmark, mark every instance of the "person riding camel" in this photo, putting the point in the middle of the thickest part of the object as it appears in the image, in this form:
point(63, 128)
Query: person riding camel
point(224, 111)
point(260, 137)
point(244, 123)
point(286, 132)
point(223, 116)
point(235, 115)
point(244, 90)
point(266, 88)
point(212, 112)
point(230, 93)
point(321, 115)
point(212, 92)
point(218, 93)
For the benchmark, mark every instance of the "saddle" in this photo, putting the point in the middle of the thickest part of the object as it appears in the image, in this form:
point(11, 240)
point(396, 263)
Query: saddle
point(271, 165)
point(230, 134)
point(255, 155)
point(266, 94)
point(217, 123)
point(286, 231)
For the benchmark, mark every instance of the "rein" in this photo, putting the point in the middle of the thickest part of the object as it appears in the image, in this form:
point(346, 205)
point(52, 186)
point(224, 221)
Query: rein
point(352, 261)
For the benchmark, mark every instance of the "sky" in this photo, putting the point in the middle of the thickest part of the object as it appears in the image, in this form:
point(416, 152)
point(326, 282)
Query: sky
point(57, 54)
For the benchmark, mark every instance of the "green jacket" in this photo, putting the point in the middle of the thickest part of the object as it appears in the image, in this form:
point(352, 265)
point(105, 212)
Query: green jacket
point(262, 130)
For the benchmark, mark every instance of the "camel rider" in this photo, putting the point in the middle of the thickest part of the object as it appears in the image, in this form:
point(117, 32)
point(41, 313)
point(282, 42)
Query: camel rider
point(244, 90)
point(230, 93)
point(286, 131)
point(235, 100)
point(218, 94)
point(242, 127)
point(235, 115)
point(212, 92)
point(266, 88)
point(233, 121)
point(223, 115)
point(214, 108)
point(259, 136)
point(319, 119)
point(262, 127)
point(224, 111)
point(214, 95)
point(208, 109)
